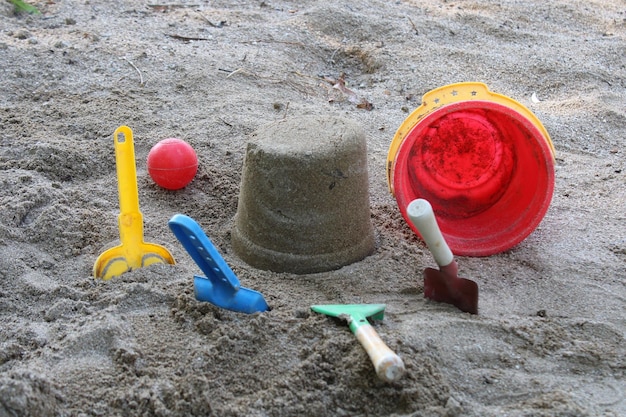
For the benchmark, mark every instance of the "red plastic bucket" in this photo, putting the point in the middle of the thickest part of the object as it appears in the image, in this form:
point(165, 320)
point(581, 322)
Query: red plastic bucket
point(484, 162)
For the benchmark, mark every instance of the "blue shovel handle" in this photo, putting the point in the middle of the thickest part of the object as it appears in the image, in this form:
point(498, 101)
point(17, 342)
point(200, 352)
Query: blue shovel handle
point(204, 253)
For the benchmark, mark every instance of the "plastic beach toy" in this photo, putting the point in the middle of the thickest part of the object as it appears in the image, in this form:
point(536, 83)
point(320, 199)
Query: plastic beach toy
point(220, 286)
point(484, 162)
point(132, 252)
point(443, 285)
point(388, 365)
point(172, 163)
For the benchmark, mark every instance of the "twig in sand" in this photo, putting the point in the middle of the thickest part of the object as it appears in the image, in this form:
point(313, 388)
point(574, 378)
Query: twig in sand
point(237, 71)
point(220, 25)
point(225, 122)
point(136, 69)
point(185, 38)
point(413, 24)
point(167, 7)
point(274, 41)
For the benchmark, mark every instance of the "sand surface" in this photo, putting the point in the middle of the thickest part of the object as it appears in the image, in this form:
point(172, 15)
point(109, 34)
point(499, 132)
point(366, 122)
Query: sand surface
point(549, 339)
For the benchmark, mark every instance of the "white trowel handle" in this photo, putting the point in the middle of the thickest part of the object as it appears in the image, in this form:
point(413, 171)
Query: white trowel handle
point(421, 214)
point(389, 366)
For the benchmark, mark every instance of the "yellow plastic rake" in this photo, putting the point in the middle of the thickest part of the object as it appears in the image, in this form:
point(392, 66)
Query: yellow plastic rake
point(133, 252)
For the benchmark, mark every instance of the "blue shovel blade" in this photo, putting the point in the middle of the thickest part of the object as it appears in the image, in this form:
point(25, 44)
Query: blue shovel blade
point(220, 286)
point(244, 300)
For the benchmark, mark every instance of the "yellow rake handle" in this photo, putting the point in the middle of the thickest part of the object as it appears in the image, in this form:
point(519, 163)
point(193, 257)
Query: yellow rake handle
point(130, 219)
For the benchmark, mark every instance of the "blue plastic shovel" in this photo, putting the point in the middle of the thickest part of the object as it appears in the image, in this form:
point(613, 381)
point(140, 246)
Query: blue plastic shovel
point(220, 287)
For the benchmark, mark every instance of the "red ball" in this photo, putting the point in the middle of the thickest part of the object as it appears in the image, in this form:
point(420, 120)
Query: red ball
point(172, 163)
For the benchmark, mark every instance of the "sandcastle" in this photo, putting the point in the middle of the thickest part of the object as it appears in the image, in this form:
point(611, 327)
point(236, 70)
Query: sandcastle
point(304, 201)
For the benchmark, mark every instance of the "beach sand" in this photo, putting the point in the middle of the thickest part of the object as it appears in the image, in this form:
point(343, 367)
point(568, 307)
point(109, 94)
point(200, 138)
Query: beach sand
point(549, 336)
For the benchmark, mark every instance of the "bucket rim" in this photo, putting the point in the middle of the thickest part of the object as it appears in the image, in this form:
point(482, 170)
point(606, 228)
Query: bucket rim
point(437, 99)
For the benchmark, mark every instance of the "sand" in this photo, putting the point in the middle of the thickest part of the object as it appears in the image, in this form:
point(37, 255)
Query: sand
point(304, 197)
point(549, 336)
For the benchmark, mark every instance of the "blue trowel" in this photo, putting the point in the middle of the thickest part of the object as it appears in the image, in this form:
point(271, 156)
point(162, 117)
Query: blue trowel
point(220, 286)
